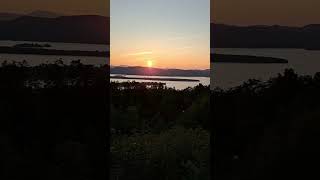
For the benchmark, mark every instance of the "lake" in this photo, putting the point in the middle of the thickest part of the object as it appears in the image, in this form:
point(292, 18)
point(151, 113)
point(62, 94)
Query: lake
point(179, 85)
point(34, 60)
point(38, 59)
point(224, 75)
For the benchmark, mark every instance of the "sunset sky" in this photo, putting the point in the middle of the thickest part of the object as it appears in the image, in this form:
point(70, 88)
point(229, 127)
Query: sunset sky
point(67, 7)
point(266, 12)
point(160, 33)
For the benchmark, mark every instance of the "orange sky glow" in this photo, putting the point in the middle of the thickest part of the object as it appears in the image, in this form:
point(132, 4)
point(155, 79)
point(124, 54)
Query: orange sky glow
point(160, 33)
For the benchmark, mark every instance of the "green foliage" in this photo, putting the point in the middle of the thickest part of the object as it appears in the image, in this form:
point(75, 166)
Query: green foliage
point(136, 107)
point(52, 121)
point(158, 132)
point(267, 130)
point(177, 153)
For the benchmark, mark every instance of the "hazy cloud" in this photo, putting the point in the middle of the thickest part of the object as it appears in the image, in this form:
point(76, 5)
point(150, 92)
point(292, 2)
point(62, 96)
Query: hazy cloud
point(141, 53)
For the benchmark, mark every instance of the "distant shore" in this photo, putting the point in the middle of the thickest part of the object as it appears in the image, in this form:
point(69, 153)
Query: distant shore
point(312, 49)
point(154, 79)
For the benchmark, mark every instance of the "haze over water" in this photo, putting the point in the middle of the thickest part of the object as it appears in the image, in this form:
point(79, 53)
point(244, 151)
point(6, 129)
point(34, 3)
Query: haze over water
point(226, 75)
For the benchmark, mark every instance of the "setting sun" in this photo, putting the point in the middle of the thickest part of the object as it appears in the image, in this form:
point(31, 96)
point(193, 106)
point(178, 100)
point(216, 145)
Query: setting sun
point(176, 39)
point(149, 63)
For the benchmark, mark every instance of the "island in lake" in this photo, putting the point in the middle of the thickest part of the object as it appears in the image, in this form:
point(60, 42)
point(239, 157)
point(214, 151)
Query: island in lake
point(43, 51)
point(225, 58)
point(31, 45)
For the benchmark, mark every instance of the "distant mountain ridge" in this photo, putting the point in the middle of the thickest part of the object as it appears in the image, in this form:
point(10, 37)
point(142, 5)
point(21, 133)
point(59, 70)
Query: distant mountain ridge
point(91, 29)
point(137, 70)
point(8, 16)
point(44, 14)
point(229, 36)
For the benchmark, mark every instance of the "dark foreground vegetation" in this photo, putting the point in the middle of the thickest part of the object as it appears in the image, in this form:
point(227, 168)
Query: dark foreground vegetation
point(53, 121)
point(159, 133)
point(267, 130)
point(54, 125)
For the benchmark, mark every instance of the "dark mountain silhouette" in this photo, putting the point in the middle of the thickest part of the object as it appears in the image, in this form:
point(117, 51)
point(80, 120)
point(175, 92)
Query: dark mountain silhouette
point(44, 14)
point(73, 29)
point(137, 70)
point(8, 16)
point(227, 36)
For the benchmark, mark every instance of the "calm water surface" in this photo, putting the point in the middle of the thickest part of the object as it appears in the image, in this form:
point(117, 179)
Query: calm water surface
point(179, 85)
point(39, 59)
point(34, 60)
point(227, 75)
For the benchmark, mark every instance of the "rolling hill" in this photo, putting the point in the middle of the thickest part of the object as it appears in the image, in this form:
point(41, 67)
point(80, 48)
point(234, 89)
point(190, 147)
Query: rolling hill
point(44, 14)
point(227, 36)
point(8, 16)
point(72, 29)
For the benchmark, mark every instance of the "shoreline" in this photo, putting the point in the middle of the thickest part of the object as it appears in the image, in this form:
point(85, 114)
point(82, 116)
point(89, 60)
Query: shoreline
point(154, 79)
point(42, 51)
point(225, 58)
